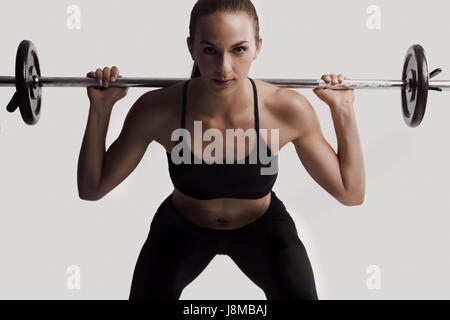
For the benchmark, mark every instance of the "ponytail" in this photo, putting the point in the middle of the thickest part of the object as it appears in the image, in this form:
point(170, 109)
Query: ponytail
point(195, 71)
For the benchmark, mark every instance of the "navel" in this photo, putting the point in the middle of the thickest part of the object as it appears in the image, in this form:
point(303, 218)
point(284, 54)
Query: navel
point(222, 221)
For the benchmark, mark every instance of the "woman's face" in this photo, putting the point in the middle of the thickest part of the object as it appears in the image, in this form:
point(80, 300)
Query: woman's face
point(224, 49)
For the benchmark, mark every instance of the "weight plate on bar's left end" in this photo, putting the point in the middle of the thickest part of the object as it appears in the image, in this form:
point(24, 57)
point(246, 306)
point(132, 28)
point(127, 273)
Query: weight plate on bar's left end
point(415, 93)
point(27, 66)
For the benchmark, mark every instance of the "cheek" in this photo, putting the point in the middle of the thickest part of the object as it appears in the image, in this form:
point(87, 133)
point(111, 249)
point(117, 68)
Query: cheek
point(206, 64)
point(245, 62)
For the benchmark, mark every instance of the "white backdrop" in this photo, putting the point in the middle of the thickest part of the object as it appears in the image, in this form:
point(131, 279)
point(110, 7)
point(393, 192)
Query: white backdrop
point(54, 245)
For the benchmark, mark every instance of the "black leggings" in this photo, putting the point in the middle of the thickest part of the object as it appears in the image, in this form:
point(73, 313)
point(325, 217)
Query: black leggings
point(267, 250)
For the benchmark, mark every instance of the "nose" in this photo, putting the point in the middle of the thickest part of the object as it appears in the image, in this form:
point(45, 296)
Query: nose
point(224, 65)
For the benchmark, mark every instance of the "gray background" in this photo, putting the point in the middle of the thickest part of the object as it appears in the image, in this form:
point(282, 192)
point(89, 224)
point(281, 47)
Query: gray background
point(401, 227)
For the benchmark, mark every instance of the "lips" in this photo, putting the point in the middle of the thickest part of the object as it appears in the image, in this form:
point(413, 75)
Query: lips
point(223, 82)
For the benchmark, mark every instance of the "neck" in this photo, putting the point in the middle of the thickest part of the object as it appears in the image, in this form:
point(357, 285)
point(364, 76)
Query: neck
point(223, 103)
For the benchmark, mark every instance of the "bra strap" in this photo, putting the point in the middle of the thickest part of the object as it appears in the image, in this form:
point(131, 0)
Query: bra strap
point(255, 98)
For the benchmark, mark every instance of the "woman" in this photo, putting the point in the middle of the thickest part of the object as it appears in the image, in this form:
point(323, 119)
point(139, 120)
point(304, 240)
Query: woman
point(222, 208)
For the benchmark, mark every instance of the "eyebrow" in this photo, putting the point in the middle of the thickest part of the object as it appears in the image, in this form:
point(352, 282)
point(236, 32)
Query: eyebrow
point(237, 44)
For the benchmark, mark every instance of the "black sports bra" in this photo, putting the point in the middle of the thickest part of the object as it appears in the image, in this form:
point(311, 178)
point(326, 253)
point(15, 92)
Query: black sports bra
point(201, 180)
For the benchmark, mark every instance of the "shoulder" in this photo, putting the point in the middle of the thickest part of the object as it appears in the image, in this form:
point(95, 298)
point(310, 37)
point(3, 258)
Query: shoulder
point(158, 102)
point(291, 109)
point(155, 111)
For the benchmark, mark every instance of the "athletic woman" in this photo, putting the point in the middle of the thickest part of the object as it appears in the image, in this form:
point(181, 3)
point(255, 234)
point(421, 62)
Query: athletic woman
point(222, 207)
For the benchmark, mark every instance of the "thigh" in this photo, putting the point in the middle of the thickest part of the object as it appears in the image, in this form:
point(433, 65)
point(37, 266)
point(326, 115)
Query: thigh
point(278, 263)
point(168, 261)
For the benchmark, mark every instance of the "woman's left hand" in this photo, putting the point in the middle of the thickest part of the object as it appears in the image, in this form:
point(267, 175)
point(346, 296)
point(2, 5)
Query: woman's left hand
point(335, 98)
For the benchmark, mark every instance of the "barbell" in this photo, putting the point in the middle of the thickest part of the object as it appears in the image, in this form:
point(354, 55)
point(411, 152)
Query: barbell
point(414, 85)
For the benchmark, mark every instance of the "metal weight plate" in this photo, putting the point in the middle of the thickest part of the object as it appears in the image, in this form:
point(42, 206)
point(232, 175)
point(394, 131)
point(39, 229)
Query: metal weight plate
point(415, 93)
point(29, 94)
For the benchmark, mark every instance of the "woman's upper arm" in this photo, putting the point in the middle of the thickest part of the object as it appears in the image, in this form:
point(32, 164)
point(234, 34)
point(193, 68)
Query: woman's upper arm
point(124, 154)
point(315, 153)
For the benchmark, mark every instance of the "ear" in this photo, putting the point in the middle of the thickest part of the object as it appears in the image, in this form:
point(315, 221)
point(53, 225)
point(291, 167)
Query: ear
point(190, 47)
point(258, 48)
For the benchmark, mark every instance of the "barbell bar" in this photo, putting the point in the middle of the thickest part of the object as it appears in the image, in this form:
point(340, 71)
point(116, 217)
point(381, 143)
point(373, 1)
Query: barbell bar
point(414, 85)
point(136, 82)
point(165, 82)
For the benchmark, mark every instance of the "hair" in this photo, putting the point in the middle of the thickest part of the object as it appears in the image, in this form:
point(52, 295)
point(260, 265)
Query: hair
point(206, 7)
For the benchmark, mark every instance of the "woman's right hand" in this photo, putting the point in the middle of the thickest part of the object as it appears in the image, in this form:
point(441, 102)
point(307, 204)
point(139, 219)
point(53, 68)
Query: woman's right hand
point(105, 94)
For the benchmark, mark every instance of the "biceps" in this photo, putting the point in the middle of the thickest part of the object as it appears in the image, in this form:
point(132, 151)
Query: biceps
point(321, 162)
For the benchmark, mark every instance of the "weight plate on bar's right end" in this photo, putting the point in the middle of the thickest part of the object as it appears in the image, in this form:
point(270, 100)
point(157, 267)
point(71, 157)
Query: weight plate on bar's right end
point(27, 66)
point(415, 93)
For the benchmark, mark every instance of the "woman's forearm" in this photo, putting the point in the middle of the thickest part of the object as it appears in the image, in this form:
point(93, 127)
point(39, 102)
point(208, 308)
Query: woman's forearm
point(349, 153)
point(90, 161)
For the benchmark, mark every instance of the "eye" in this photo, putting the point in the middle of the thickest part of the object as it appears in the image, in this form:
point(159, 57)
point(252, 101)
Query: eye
point(240, 52)
point(212, 50)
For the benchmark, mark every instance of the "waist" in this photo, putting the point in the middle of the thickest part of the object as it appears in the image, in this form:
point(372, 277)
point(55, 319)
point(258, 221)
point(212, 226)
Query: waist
point(220, 213)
